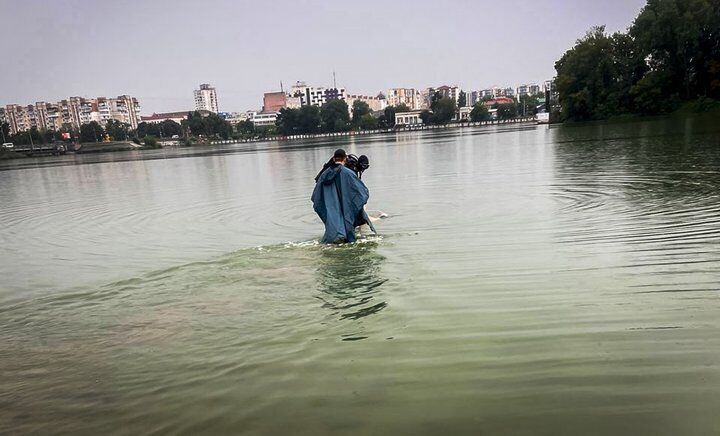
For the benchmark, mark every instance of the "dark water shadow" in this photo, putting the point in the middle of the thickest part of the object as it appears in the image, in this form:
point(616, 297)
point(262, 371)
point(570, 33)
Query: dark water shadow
point(350, 281)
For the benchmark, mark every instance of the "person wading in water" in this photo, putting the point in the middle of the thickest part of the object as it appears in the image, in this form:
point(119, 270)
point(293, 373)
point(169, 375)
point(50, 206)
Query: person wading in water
point(339, 199)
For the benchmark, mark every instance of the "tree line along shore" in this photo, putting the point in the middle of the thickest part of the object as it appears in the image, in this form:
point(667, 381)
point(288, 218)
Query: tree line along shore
point(197, 129)
point(667, 61)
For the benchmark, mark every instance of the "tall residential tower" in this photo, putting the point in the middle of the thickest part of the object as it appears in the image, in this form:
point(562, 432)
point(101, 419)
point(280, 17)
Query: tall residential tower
point(206, 98)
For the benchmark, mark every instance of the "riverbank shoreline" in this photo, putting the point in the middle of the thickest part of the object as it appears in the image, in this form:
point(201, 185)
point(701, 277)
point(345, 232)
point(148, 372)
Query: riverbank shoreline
point(409, 128)
point(118, 146)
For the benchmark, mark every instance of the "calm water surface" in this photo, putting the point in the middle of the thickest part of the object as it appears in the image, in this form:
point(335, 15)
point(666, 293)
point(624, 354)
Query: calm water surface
point(529, 280)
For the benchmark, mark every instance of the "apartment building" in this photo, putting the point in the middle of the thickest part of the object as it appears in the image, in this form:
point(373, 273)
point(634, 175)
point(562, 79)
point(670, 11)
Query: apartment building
point(376, 103)
point(410, 97)
point(206, 98)
point(315, 96)
point(528, 89)
point(72, 113)
point(446, 92)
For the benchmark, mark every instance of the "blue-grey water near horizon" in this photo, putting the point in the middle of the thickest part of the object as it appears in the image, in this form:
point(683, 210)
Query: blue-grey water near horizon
point(529, 279)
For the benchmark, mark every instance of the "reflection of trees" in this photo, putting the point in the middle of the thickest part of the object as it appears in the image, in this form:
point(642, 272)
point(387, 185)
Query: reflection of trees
point(649, 161)
point(349, 280)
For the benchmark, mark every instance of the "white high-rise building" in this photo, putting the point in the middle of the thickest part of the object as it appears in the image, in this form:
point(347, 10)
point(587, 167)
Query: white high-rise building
point(310, 95)
point(206, 98)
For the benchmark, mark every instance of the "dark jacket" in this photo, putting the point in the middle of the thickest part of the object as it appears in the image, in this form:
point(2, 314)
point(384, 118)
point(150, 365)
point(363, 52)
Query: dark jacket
point(339, 198)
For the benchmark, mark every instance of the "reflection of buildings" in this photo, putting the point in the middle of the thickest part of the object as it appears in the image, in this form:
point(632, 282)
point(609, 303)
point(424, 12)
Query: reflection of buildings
point(72, 113)
point(206, 98)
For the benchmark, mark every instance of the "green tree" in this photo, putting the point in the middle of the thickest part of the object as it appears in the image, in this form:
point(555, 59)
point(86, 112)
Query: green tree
point(309, 119)
point(266, 131)
point(5, 129)
point(670, 54)
point(246, 128)
point(382, 122)
point(302, 121)
point(527, 105)
point(585, 73)
point(170, 128)
point(147, 129)
point(117, 131)
point(462, 99)
point(195, 125)
point(47, 136)
point(389, 116)
point(335, 116)
point(507, 111)
point(426, 117)
point(151, 142)
point(91, 132)
point(479, 112)
point(680, 38)
point(443, 110)
point(368, 122)
point(287, 122)
point(217, 127)
point(359, 110)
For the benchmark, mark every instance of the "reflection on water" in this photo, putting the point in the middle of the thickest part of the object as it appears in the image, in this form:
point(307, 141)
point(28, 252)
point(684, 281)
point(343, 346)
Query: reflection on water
point(349, 278)
point(531, 280)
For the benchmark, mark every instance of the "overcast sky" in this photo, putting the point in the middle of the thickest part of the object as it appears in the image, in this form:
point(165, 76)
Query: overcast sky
point(159, 51)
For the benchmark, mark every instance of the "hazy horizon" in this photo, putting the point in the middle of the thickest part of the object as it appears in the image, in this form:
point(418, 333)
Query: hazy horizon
point(160, 52)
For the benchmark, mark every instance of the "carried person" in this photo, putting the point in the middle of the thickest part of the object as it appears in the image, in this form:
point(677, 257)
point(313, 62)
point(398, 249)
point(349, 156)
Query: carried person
point(339, 199)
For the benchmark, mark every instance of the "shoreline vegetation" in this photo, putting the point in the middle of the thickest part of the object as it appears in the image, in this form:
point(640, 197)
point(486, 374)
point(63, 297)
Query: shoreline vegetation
point(153, 143)
point(668, 61)
point(689, 108)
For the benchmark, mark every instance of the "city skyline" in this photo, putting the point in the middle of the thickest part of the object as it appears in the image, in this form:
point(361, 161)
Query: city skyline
point(247, 50)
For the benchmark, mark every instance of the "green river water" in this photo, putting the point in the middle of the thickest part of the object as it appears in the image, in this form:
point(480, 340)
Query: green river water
point(535, 280)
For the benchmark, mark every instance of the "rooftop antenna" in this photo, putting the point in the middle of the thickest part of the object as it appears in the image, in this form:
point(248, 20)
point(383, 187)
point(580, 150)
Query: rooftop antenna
point(334, 82)
point(281, 87)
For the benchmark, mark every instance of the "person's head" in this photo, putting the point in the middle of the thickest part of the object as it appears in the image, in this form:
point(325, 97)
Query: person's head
point(339, 156)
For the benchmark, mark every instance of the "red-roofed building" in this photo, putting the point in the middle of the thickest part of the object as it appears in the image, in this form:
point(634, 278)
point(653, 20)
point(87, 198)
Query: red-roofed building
point(178, 117)
point(499, 100)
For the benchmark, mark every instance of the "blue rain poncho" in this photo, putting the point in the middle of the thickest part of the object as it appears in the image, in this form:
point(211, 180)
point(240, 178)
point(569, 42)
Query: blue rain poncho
point(339, 198)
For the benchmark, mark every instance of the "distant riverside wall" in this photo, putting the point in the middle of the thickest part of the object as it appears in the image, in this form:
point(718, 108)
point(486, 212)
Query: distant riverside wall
point(406, 128)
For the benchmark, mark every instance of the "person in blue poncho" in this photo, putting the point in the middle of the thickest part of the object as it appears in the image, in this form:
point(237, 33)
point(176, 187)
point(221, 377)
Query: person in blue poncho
point(339, 199)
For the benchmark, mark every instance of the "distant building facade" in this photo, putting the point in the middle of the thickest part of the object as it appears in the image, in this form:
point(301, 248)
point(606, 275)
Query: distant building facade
point(293, 102)
point(446, 92)
point(157, 118)
point(206, 98)
point(263, 119)
point(498, 100)
point(274, 101)
point(410, 97)
point(375, 103)
point(531, 89)
point(411, 118)
point(72, 113)
point(315, 96)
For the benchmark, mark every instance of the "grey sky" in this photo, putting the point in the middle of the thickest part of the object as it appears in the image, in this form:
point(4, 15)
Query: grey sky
point(159, 51)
